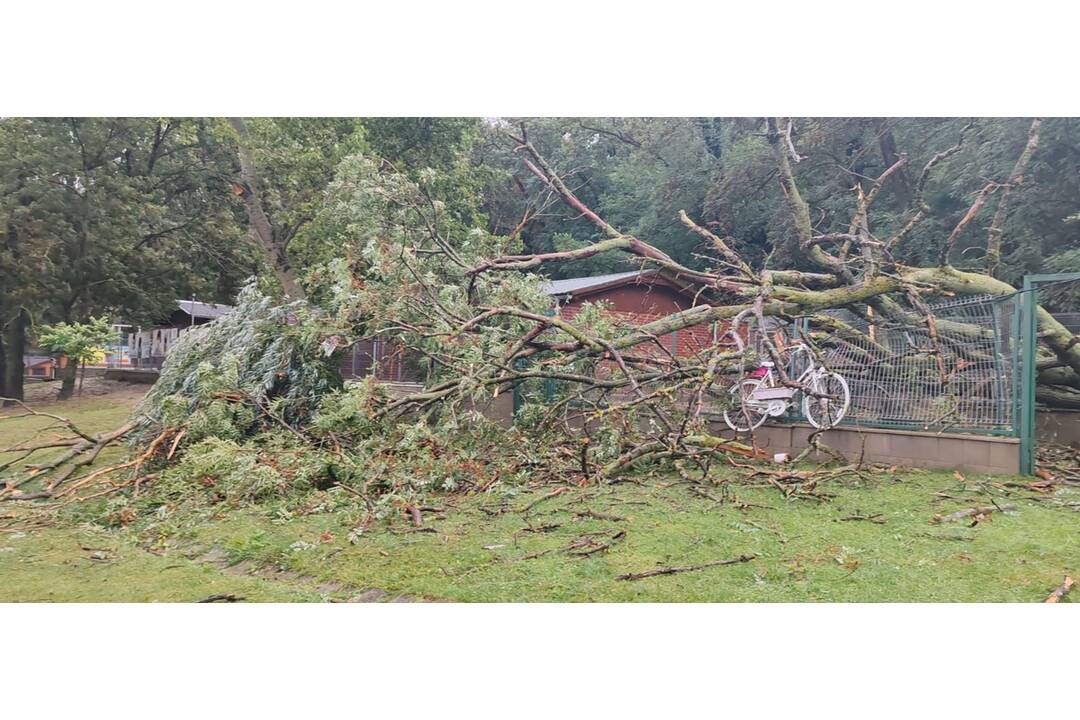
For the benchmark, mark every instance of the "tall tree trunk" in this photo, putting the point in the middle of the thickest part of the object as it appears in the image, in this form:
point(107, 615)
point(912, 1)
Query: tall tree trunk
point(14, 348)
point(1016, 177)
point(262, 231)
point(3, 363)
point(710, 132)
point(899, 181)
point(67, 386)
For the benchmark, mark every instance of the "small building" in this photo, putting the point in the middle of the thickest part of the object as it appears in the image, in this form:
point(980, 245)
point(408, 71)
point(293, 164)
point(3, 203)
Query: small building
point(40, 367)
point(189, 313)
point(148, 348)
point(636, 298)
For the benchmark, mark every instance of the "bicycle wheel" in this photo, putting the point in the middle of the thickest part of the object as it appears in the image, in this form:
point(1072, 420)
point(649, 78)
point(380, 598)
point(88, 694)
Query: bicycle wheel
point(744, 417)
point(831, 403)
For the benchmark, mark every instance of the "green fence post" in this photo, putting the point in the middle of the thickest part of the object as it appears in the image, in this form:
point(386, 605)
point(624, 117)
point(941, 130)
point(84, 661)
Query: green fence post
point(549, 390)
point(1028, 342)
point(549, 383)
point(1016, 331)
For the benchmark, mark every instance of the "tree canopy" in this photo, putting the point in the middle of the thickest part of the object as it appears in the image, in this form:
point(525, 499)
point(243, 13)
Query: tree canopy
point(438, 235)
point(124, 215)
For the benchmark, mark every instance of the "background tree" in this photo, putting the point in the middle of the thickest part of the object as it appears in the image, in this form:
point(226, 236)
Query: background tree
point(79, 343)
point(637, 173)
point(112, 215)
point(285, 165)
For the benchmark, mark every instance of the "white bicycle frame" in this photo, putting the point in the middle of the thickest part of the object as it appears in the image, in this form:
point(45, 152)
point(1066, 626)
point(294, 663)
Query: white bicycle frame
point(773, 399)
point(768, 399)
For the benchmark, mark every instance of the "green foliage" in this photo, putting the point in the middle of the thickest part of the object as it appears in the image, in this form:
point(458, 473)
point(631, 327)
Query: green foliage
point(81, 342)
point(118, 215)
point(405, 460)
point(638, 172)
point(394, 233)
point(224, 471)
point(1064, 297)
point(232, 377)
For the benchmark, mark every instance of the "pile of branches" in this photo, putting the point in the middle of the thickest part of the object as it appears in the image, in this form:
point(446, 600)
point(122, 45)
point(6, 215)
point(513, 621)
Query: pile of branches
point(496, 335)
point(264, 365)
point(251, 408)
point(252, 405)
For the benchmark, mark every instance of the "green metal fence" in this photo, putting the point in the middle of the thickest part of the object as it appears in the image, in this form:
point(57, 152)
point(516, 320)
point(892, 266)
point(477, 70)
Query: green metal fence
point(975, 372)
point(960, 376)
point(1029, 340)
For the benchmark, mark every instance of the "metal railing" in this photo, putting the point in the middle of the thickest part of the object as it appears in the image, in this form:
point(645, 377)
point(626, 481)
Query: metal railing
point(386, 361)
point(960, 376)
point(1070, 320)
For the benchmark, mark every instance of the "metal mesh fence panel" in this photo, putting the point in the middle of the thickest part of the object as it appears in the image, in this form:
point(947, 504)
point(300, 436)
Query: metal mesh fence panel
point(1071, 321)
point(960, 376)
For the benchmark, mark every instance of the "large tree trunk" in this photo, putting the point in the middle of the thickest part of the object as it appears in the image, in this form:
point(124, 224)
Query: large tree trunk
point(3, 366)
point(1016, 177)
point(1058, 396)
point(262, 231)
point(900, 181)
point(14, 348)
point(67, 386)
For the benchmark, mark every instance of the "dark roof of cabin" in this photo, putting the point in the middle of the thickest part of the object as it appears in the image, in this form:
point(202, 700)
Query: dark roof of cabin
point(203, 310)
point(577, 285)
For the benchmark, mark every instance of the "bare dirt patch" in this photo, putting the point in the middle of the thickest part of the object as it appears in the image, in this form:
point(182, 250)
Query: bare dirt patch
point(45, 393)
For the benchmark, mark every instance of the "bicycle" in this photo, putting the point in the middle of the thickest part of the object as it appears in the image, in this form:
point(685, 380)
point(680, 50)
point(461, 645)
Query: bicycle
point(758, 396)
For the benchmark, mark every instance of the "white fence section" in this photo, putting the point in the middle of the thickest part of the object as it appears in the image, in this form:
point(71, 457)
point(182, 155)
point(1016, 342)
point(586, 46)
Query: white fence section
point(148, 348)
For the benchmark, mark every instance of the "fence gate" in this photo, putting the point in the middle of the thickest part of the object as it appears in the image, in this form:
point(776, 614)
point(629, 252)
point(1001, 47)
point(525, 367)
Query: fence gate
point(1029, 328)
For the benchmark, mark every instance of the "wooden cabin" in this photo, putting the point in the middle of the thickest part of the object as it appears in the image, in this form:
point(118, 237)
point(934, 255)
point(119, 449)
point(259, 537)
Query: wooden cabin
point(40, 367)
point(148, 348)
point(635, 298)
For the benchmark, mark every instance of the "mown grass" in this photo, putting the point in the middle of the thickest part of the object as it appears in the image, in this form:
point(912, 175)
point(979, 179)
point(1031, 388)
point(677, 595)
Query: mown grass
point(88, 565)
point(82, 563)
point(91, 415)
point(804, 550)
point(484, 548)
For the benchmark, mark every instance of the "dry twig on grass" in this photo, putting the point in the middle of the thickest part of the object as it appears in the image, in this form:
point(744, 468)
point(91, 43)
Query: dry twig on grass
point(600, 516)
point(601, 547)
point(585, 546)
point(542, 498)
point(222, 597)
point(688, 568)
point(877, 518)
point(977, 512)
point(1061, 590)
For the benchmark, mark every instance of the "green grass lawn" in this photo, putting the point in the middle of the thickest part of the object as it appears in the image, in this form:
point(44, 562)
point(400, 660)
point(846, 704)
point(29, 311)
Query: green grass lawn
point(804, 550)
point(87, 565)
point(484, 548)
point(91, 414)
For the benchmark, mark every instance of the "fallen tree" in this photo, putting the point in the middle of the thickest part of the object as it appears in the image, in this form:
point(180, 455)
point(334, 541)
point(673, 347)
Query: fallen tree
point(251, 406)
